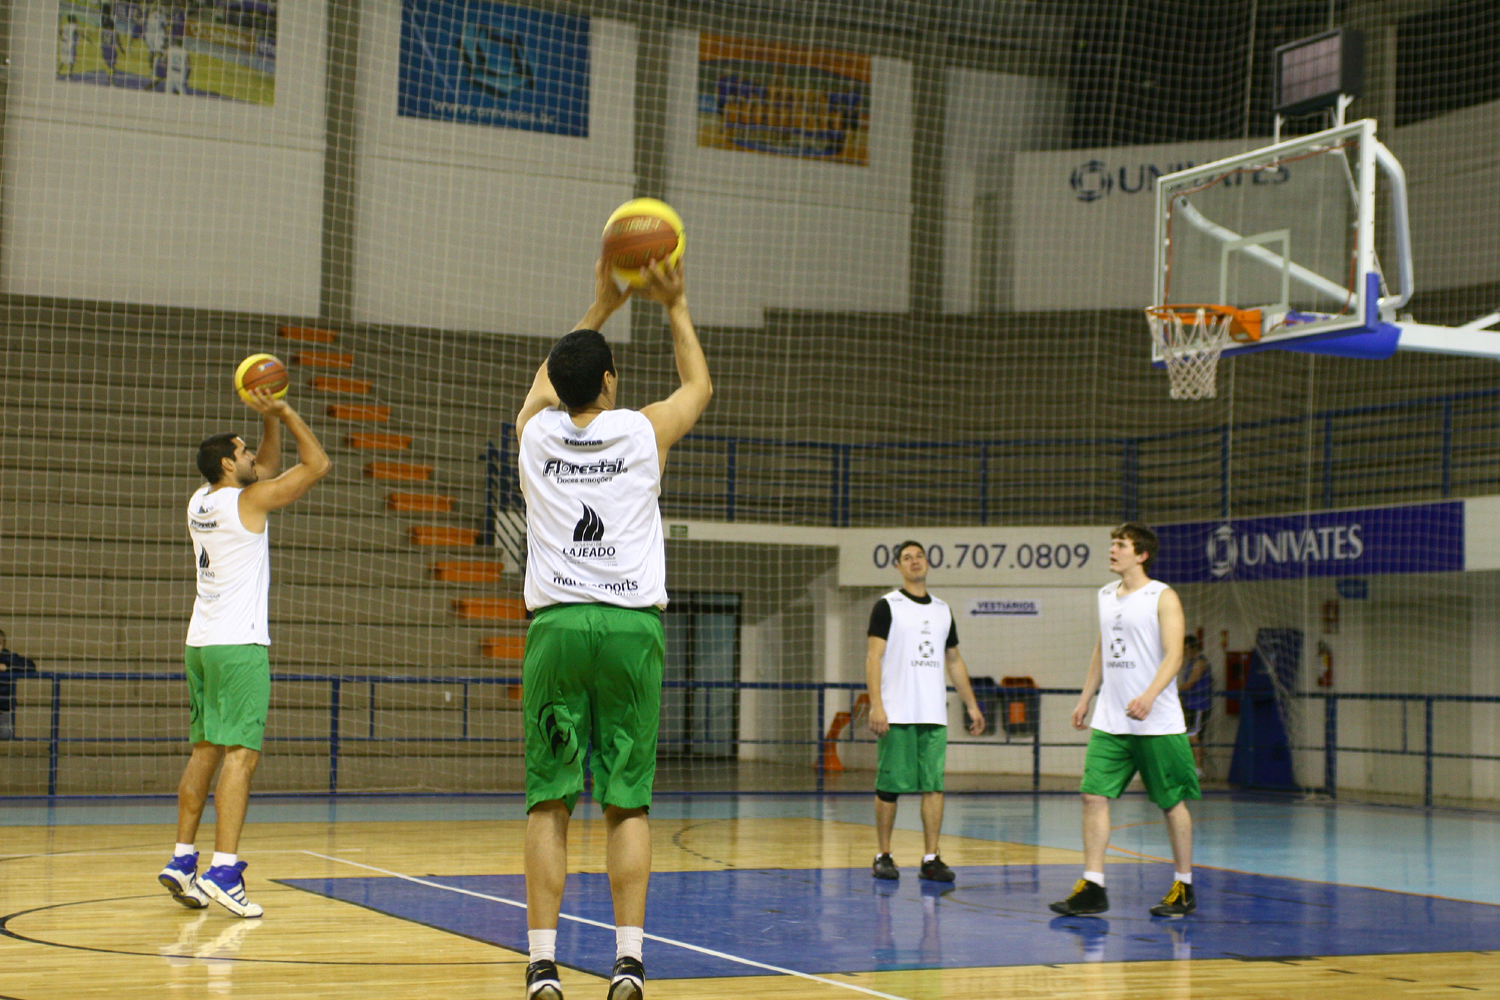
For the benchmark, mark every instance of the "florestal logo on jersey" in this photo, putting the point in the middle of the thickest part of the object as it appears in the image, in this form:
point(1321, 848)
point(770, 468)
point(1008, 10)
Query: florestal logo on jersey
point(579, 472)
point(1227, 548)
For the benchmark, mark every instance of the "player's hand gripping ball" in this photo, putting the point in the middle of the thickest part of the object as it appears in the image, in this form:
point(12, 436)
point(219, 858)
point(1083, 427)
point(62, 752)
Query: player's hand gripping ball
point(639, 233)
point(261, 371)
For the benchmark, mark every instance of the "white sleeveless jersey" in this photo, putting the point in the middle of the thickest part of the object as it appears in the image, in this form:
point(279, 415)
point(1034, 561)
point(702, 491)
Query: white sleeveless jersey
point(234, 573)
point(913, 681)
point(593, 528)
point(1130, 643)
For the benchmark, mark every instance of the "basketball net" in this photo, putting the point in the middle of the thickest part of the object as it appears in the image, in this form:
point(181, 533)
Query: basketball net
point(1190, 340)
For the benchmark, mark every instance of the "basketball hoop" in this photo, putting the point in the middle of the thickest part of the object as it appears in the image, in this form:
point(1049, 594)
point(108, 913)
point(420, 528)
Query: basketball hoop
point(1190, 338)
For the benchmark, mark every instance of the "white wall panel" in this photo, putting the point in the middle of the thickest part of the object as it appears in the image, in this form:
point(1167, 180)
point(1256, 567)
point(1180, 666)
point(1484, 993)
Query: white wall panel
point(131, 196)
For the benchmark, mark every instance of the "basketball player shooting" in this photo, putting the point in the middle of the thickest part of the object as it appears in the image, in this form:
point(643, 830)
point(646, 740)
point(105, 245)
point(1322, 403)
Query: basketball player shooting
point(227, 650)
point(596, 582)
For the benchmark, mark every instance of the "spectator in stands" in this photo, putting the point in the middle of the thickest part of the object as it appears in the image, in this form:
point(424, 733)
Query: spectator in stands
point(12, 665)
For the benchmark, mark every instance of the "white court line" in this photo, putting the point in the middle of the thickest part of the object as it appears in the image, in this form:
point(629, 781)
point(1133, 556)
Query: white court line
point(595, 923)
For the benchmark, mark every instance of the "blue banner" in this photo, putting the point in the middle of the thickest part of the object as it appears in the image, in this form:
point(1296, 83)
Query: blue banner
point(494, 64)
point(1422, 538)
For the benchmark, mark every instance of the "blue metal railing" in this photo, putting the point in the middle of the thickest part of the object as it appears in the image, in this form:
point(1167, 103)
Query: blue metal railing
point(339, 735)
point(1429, 448)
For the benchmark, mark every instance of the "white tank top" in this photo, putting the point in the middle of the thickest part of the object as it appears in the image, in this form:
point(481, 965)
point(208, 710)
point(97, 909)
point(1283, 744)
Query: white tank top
point(1130, 643)
point(913, 682)
point(593, 528)
point(234, 573)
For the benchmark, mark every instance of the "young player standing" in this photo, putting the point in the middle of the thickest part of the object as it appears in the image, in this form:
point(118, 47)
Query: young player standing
point(1138, 724)
point(596, 582)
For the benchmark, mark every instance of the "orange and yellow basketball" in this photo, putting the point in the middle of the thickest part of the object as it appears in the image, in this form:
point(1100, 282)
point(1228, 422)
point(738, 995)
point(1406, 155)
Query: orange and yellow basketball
point(639, 233)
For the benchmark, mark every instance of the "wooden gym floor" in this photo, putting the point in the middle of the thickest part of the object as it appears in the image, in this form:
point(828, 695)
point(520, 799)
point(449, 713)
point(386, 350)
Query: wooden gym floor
point(759, 896)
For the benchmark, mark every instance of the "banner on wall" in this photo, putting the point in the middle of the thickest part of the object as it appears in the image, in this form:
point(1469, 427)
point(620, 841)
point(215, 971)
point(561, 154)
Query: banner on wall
point(979, 557)
point(494, 64)
point(784, 100)
point(225, 51)
point(1420, 538)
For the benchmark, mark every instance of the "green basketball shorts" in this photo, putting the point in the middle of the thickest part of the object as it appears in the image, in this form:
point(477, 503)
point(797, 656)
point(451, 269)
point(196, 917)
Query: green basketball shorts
point(911, 757)
point(592, 674)
point(229, 694)
point(1165, 764)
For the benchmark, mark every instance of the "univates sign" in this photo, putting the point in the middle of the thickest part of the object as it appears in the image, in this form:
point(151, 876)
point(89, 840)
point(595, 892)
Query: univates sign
point(1418, 538)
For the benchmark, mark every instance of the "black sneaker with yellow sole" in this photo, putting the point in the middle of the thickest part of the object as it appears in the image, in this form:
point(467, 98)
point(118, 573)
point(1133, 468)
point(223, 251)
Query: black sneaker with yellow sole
point(1178, 902)
point(1086, 897)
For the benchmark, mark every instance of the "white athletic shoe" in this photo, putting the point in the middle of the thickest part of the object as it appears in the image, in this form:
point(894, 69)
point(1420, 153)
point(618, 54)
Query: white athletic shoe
point(181, 879)
point(225, 885)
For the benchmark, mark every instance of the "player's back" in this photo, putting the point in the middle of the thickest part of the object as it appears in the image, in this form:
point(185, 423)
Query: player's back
point(592, 523)
point(234, 572)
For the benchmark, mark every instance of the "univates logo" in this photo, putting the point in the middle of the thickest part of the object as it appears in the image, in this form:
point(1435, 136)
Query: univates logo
point(1228, 548)
point(1094, 179)
point(494, 60)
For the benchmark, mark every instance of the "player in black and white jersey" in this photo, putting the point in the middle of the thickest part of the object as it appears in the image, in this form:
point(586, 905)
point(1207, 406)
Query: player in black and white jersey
point(596, 583)
point(911, 651)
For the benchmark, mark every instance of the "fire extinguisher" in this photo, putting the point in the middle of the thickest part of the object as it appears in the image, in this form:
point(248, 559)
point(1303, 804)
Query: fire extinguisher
point(1325, 679)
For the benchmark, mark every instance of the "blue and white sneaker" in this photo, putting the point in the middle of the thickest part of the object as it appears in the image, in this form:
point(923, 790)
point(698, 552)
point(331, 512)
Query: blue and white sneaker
point(181, 879)
point(225, 885)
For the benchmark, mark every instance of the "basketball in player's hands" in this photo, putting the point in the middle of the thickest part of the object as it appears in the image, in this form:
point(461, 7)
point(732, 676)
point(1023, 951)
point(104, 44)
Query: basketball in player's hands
point(261, 371)
point(639, 233)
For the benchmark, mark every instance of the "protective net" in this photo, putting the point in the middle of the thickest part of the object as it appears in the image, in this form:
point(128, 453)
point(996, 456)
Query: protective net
point(920, 241)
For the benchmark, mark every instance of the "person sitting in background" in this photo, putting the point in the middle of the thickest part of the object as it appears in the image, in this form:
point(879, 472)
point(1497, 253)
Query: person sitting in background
point(1195, 689)
point(12, 665)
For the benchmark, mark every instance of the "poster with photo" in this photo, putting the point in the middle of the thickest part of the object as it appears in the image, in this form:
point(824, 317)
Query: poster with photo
point(494, 64)
point(221, 49)
point(784, 100)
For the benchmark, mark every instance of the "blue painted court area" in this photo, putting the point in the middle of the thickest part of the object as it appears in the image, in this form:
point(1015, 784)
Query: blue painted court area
point(842, 920)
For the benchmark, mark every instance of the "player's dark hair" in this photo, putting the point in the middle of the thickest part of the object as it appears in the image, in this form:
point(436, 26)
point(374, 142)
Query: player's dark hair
point(1192, 640)
point(908, 544)
point(1142, 540)
point(577, 365)
point(211, 455)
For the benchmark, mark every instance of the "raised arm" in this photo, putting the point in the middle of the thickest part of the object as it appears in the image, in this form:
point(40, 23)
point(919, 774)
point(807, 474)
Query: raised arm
point(541, 396)
point(608, 297)
point(261, 498)
point(675, 416)
point(268, 454)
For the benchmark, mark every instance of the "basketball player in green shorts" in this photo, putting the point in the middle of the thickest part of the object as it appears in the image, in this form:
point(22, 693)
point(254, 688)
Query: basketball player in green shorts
point(596, 584)
point(228, 669)
point(1138, 724)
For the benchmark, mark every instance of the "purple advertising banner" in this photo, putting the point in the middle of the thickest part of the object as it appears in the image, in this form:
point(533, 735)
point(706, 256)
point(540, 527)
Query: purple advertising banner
point(1420, 538)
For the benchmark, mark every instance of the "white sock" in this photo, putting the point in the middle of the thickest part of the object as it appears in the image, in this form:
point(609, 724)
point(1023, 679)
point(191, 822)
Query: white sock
point(628, 942)
point(1095, 877)
point(1186, 878)
point(183, 849)
point(928, 857)
point(543, 945)
point(221, 859)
